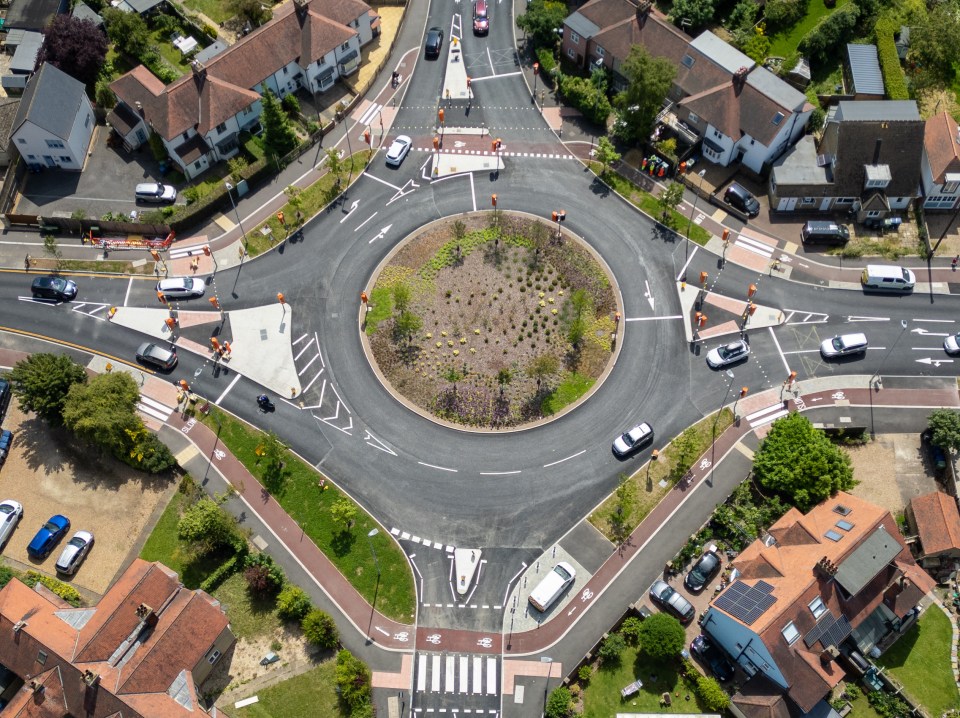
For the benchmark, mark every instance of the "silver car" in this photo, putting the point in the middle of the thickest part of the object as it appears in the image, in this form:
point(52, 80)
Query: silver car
point(951, 345)
point(844, 345)
point(74, 552)
point(728, 354)
point(181, 287)
point(664, 595)
point(632, 440)
point(398, 150)
point(10, 514)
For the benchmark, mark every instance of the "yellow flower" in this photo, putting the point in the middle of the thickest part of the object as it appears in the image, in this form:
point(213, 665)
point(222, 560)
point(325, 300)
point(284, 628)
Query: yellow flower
point(463, 340)
point(429, 335)
point(449, 342)
point(541, 295)
point(456, 352)
point(553, 311)
point(543, 303)
point(550, 299)
point(476, 331)
point(560, 292)
point(439, 344)
point(443, 334)
point(472, 350)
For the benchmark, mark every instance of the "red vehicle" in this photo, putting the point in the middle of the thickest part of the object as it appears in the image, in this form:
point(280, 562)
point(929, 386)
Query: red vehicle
point(481, 20)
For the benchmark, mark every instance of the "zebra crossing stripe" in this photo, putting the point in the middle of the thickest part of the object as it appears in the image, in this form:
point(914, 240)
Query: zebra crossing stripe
point(371, 112)
point(491, 676)
point(154, 409)
point(421, 673)
point(477, 674)
point(463, 674)
point(449, 676)
point(435, 676)
point(755, 246)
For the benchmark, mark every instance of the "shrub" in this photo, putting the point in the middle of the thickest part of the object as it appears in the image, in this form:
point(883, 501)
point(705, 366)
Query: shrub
point(65, 591)
point(224, 571)
point(830, 32)
point(548, 64)
point(661, 636)
point(611, 648)
point(352, 677)
point(262, 574)
point(291, 105)
point(560, 703)
point(782, 14)
point(320, 629)
point(712, 695)
point(631, 630)
point(893, 80)
point(293, 603)
point(586, 97)
point(6, 573)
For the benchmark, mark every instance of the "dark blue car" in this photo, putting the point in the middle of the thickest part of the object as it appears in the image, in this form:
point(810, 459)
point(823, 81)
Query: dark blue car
point(6, 441)
point(48, 536)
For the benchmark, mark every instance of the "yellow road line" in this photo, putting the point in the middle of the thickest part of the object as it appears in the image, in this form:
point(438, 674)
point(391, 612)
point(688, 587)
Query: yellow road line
point(81, 347)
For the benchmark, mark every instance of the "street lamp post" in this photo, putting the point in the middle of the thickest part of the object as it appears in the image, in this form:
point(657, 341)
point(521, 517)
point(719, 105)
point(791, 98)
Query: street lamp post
point(546, 688)
point(236, 212)
point(696, 196)
point(373, 532)
point(876, 375)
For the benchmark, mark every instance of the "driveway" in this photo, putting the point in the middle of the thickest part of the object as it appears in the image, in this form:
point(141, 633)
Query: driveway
point(105, 185)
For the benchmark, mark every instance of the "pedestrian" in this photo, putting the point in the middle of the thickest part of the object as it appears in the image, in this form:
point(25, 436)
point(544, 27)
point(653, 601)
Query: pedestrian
point(953, 263)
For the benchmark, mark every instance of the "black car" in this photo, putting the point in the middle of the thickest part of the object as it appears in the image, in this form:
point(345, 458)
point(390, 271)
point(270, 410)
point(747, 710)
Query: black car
point(703, 570)
point(703, 648)
point(5, 394)
point(738, 197)
point(54, 288)
point(434, 42)
point(6, 441)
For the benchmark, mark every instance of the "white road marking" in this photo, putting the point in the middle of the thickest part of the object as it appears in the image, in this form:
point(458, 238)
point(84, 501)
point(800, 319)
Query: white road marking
point(227, 390)
point(494, 76)
point(439, 468)
point(935, 321)
point(492, 69)
point(867, 319)
point(779, 350)
point(650, 319)
point(374, 177)
point(126, 297)
point(683, 269)
point(365, 221)
point(498, 473)
point(356, 203)
point(572, 456)
point(473, 193)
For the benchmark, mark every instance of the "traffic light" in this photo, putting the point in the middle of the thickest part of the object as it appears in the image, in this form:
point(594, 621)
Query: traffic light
point(536, 68)
point(440, 115)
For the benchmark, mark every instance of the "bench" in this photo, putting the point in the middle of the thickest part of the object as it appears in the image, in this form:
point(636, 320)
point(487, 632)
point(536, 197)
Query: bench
point(632, 689)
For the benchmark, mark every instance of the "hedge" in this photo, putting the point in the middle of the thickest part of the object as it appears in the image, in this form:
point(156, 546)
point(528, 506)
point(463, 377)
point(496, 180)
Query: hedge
point(548, 63)
point(893, 79)
point(830, 32)
point(65, 591)
point(194, 213)
point(224, 571)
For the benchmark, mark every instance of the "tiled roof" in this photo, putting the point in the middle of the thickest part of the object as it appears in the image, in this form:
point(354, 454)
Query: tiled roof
point(656, 34)
point(51, 101)
point(938, 520)
point(941, 138)
point(341, 11)
point(605, 13)
point(760, 698)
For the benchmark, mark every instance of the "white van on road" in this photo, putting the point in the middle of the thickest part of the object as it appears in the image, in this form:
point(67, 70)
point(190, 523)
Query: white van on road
point(888, 277)
point(552, 585)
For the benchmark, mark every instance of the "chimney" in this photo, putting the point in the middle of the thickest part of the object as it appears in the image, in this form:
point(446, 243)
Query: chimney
point(829, 654)
point(826, 568)
point(876, 151)
point(301, 5)
point(19, 626)
point(90, 678)
point(147, 615)
point(198, 69)
point(36, 687)
point(643, 11)
point(739, 78)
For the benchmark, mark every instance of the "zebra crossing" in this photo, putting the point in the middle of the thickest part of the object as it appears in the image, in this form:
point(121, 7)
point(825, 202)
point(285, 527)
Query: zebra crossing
point(154, 409)
point(461, 675)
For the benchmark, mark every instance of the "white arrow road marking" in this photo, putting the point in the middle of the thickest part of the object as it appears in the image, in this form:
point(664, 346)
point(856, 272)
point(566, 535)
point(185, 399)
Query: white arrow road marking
point(356, 203)
point(924, 332)
point(381, 235)
point(378, 445)
point(403, 191)
point(647, 294)
point(936, 362)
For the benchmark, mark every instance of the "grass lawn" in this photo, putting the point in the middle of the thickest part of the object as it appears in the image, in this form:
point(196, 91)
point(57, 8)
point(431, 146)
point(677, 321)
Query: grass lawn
point(920, 661)
point(216, 10)
point(305, 696)
point(168, 52)
point(309, 505)
point(601, 697)
point(571, 388)
point(648, 479)
point(785, 43)
point(249, 617)
point(862, 708)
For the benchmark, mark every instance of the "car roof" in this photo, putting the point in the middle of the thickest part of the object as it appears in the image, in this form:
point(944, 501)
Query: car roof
point(157, 351)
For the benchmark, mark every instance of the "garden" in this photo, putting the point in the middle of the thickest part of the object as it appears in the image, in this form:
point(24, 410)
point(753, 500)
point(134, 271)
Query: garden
point(492, 321)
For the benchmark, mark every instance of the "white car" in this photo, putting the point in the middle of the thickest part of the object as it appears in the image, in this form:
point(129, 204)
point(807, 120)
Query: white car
point(181, 287)
point(398, 150)
point(10, 514)
point(728, 354)
point(74, 552)
point(951, 345)
point(632, 440)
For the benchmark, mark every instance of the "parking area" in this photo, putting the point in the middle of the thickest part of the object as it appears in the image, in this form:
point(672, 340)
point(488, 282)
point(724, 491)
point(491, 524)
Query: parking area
point(892, 470)
point(103, 496)
point(105, 185)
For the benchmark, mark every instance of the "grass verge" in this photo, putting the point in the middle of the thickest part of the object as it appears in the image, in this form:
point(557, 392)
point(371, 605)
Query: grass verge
point(647, 480)
point(785, 43)
point(250, 616)
point(920, 662)
point(571, 388)
point(649, 204)
point(305, 696)
point(307, 497)
point(216, 10)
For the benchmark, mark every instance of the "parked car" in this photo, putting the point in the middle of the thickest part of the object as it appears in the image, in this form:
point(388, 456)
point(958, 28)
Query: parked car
point(433, 42)
point(10, 514)
point(63, 290)
point(937, 455)
point(728, 354)
point(737, 196)
point(702, 572)
point(181, 287)
point(48, 536)
point(5, 395)
point(667, 598)
point(155, 192)
point(481, 20)
point(632, 440)
point(711, 656)
point(6, 441)
point(156, 355)
point(74, 552)
point(951, 345)
point(399, 149)
point(844, 345)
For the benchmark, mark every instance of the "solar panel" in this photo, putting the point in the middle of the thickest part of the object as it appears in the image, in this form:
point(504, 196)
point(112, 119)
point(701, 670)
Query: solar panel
point(838, 633)
point(746, 603)
point(815, 633)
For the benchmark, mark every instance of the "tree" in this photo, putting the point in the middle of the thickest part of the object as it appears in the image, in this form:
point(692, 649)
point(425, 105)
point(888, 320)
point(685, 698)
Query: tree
point(279, 138)
point(661, 636)
point(800, 463)
point(714, 698)
point(293, 603)
point(320, 629)
point(683, 446)
point(945, 428)
point(104, 95)
point(41, 382)
point(559, 704)
point(648, 82)
point(578, 311)
point(586, 97)
point(631, 630)
point(670, 197)
point(127, 30)
point(626, 501)
point(102, 411)
point(606, 153)
point(263, 576)
point(401, 297)
point(830, 32)
point(504, 377)
point(697, 12)
point(453, 375)
point(935, 45)
point(406, 325)
point(147, 453)
point(343, 512)
point(207, 527)
point(611, 648)
point(542, 366)
point(352, 677)
point(78, 47)
point(252, 12)
point(757, 46)
point(541, 21)
point(51, 247)
point(336, 164)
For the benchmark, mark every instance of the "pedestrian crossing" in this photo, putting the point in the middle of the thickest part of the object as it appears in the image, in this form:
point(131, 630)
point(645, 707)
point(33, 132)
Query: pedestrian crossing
point(755, 246)
point(462, 675)
point(154, 409)
point(371, 112)
point(504, 153)
point(766, 415)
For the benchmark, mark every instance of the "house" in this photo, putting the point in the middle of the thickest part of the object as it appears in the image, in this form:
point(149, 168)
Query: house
point(141, 7)
point(940, 165)
point(141, 652)
point(200, 116)
point(8, 114)
point(82, 11)
point(837, 580)
point(936, 520)
point(740, 111)
point(34, 15)
point(862, 69)
point(24, 61)
point(867, 162)
point(54, 123)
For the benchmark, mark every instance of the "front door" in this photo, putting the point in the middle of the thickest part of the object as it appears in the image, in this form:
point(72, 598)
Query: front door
point(50, 161)
point(825, 204)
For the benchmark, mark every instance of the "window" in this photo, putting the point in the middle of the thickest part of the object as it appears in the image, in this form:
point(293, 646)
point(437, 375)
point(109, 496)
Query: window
point(345, 46)
point(286, 70)
point(186, 135)
point(687, 61)
point(570, 53)
point(222, 127)
point(778, 118)
point(65, 158)
point(844, 200)
point(950, 187)
point(599, 51)
point(693, 118)
point(877, 183)
point(816, 607)
point(845, 525)
point(574, 38)
point(31, 157)
point(21, 141)
point(873, 213)
point(213, 657)
point(833, 535)
point(55, 144)
point(41, 657)
point(196, 165)
point(790, 633)
point(808, 201)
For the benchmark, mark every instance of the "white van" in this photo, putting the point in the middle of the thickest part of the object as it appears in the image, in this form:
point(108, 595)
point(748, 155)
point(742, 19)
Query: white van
point(888, 277)
point(552, 585)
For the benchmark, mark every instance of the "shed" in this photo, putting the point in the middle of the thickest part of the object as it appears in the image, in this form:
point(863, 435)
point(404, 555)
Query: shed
point(23, 63)
point(34, 14)
point(866, 80)
point(210, 52)
point(82, 11)
point(937, 521)
point(8, 114)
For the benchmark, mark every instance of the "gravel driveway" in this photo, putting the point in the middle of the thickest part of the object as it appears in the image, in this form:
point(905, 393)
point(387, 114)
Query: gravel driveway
point(49, 476)
point(891, 471)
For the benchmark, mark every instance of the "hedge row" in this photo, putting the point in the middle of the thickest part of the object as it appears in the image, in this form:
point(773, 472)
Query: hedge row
point(893, 79)
point(194, 213)
point(65, 591)
point(224, 571)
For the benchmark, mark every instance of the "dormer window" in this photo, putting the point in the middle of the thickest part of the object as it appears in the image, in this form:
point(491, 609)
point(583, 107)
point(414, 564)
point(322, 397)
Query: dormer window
point(790, 633)
point(877, 176)
point(599, 51)
point(817, 608)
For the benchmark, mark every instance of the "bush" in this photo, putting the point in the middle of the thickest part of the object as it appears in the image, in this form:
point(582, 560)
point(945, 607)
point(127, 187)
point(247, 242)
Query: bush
point(352, 677)
point(611, 648)
point(712, 695)
point(827, 34)
point(784, 14)
point(320, 629)
point(586, 97)
point(291, 105)
point(224, 571)
point(584, 673)
point(262, 574)
point(560, 703)
point(631, 630)
point(6, 574)
point(65, 591)
point(149, 454)
point(293, 603)
point(893, 80)
point(661, 636)
point(548, 64)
